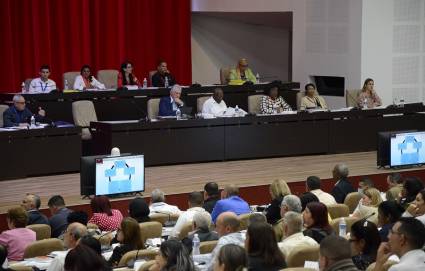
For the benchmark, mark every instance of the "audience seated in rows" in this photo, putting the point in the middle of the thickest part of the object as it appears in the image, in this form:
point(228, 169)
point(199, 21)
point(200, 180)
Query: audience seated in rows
point(417, 207)
point(158, 204)
point(364, 184)
point(342, 187)
point(335, 254)
point(316, 221)
point(83, 258)
point(173, 255)
point(31, 203)
point(293, 232)
point(231, 257)
point(262, 249)
point(368, 205)
point(139, 210)
point(17, 238)
point(78, 216)
point(230, 202)
point(211, 196)
point(58, 221)
point(411, 188)
point(395, 185)
point(388, 214)
point(106, 218)
point(289, 203)
point(306, 198)
point(278, 190)
point(313, 185)
point(365, 241)
point(200, 226)
point(257, 218)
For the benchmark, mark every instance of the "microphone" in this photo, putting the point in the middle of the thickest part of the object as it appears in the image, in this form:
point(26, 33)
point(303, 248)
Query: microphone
point(366, 218)
point(167, 223)
point(141, 110)
point(104, 247)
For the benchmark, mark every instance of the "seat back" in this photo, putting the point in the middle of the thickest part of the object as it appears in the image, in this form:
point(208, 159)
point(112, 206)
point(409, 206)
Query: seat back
point(151, 229)
point(185, 230)
point(200, 102)
point(83, 113)
point(351, 96)
point(70, 77)
point(385, 267)
point(147, 265)
point(207, 246)
point(108, 77)
point(148, 254)
point(3, 108)
point(42, 231)
point(151, 73)
point(158, 217)
point(224, 76)
point(348, 220)
point(338, 210)
point(300, 96)
point(254, 102)
point(302, 254)
point(153, 108)
point(27, 83)
point(352, 200)
point(243, 220)
point(43, 247)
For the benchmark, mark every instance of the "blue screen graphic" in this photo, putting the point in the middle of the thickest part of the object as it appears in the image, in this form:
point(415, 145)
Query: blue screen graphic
point(408, 149)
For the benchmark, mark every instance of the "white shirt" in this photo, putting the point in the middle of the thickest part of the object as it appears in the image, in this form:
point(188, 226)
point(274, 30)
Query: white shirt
point(324, 197)
point(39, 86)
point(421, 218)
point(210, 106)
point(80, 85)
point(59, 261)
point(236, 238)
point(411, 261)
point(184, 219)
point(288, 244)
point(162, 207)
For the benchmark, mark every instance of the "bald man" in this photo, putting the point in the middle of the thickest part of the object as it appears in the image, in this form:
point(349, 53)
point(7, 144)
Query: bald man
point(215, 105)
point(19, 115)
point(230, 202)
point(242, 72)
point(31, 203)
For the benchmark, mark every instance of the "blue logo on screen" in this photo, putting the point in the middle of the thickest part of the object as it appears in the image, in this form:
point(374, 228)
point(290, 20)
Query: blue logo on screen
point(119, 177)
point(409, 150)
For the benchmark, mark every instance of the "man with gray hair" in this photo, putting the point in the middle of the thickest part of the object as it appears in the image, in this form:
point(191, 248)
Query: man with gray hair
point(342, 187)
point(289, 203)
point(19, 115)
point(201, 226)
point(31, 203)
point(292, 229)
point(158, 204)
point(168, 105)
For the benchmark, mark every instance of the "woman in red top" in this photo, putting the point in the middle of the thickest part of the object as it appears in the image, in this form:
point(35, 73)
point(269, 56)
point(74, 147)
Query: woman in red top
point(126, 76)
point(104, 217)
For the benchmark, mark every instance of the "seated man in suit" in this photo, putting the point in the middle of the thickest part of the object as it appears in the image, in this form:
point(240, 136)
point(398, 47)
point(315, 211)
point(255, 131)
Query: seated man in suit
point(19, 115)
point(168, 105)
point(215, 105)
point(42, 84)
point(230, 202)
point(31, 203)
point(158, 79)
point(242, 72)
point(342, 187)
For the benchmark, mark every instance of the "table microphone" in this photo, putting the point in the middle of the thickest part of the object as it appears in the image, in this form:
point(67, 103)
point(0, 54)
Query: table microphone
point(141, 110)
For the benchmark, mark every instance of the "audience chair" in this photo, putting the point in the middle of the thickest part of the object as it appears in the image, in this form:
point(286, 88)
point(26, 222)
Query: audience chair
point(28, 83)
point(338, 210)
point(224, 76)
point(153, 108)
point(3, 108)
point(185, 231)
point(200, 102)
point(174, 217)
point(148, 254)
point(70, 77)
point(386, 266)
point(278, 230)
point(147, 265)
point(300, 96)
point(108, 77)
point(159, 217)
point(254, 102)
point(151, 74)
point(352, 200)
point(20, 267)
point(243, 219)
point(351, 97)
point(43, 247)
point(349, 220)
point(42, 231)
point(207, 246)
point(302, 254)
point(151, 229)
point(83, 113)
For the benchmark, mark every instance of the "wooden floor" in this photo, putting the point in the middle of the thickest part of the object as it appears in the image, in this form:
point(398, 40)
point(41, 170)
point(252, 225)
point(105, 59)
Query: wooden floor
point(186, 178)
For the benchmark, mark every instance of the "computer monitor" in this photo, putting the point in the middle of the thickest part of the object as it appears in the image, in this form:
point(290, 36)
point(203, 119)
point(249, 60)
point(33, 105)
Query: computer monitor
point(120, 175)
point(407, 149)
point(88, 174)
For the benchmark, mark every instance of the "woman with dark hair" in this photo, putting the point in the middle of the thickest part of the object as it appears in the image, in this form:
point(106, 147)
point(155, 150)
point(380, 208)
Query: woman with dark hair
point(388, 214)
point(92, 243)
point(231, 257)
point(173, 256)
point(306, 198)
point(104, 217)
point(272, 103)
point(316, 221)
point(312, 100)
point(417, 207)
point(365, 241)
point(411, 188)
point(82, 258)
point(86, 80)
point(262, 249)
point(368, 97)
point(126, 76)
point(139, 210)
point(130, 239)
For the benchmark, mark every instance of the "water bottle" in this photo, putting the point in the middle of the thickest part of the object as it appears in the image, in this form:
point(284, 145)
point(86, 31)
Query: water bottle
point(23, 88)
point(195, 245)
point(365, 103)
point(257, 77)
point(32, 121)
point(166, 84)
point(342, 227)
point(402, 103)
point(178, 114)
point(237, 111)
point(66, 84)
point(145, 83)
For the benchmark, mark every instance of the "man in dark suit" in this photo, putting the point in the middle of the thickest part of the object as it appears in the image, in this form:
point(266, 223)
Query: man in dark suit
point(211, 196)
point(32, 203)
point(342, 187)
point(162, 74)
point(168, 105)
point(18, 114)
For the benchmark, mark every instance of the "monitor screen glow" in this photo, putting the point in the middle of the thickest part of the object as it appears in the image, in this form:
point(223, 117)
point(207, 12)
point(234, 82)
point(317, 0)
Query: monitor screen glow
point(407, 149)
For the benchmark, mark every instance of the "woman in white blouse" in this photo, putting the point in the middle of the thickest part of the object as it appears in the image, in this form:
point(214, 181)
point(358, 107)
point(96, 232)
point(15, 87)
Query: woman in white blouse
point(86, 81)
point(312, 99)
point(272, 103)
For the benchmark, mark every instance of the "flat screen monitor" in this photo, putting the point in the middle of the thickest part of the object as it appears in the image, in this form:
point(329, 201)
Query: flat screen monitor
point(88, 174)
point(119, 175)
point(330, 85)
point(407, 149)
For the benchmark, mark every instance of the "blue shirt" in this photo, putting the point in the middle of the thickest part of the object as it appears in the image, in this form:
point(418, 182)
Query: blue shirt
point(232, 204)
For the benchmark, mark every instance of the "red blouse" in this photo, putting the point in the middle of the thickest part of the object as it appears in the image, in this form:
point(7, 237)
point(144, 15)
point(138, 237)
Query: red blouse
point(120, 80)
point(105, 222)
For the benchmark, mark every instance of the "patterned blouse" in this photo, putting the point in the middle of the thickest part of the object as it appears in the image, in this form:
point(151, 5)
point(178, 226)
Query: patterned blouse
point(105, 222)
point(270, 106)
